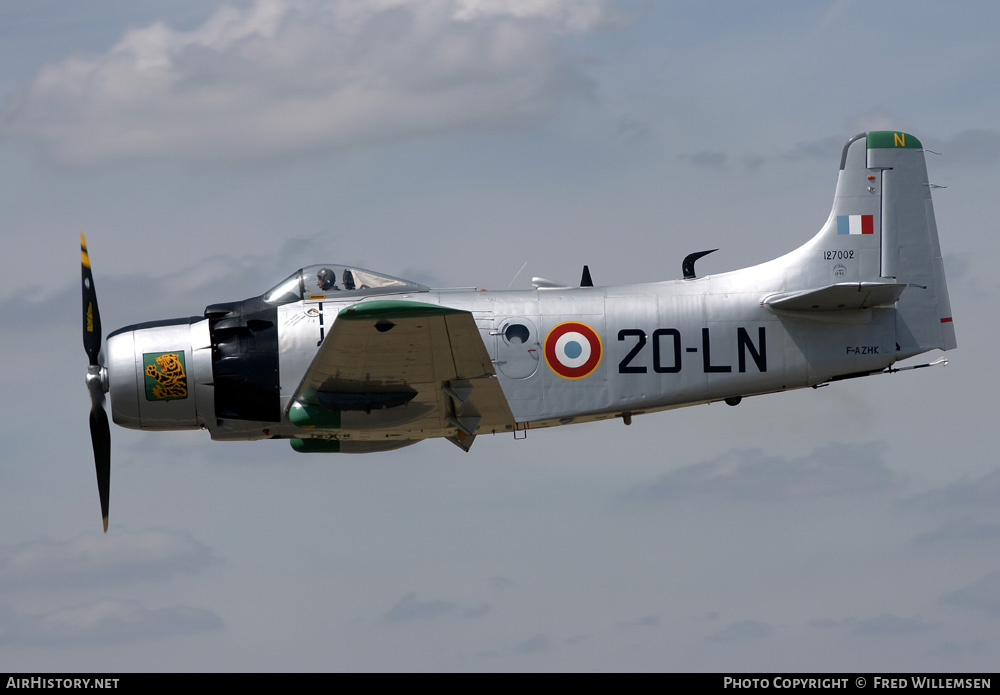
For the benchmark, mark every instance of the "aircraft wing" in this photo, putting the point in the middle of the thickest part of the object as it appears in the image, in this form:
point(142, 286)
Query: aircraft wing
point(404, 367)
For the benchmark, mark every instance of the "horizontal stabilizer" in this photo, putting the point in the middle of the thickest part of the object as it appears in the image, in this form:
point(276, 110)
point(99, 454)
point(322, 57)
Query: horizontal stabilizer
point(844, 296)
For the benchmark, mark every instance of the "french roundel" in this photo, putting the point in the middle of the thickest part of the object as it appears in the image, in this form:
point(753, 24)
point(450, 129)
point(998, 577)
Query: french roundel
point(572, 350)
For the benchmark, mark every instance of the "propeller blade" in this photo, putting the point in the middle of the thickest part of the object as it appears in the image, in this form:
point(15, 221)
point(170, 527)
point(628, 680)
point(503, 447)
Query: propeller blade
point(100, 430)
point(100, 435)
point(91, 315)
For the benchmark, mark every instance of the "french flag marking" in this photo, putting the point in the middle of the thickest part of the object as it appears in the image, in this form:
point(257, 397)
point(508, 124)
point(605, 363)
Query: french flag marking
point(855, 224)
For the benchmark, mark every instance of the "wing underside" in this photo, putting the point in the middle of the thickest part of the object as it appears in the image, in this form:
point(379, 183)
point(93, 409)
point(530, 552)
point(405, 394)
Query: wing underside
point(401, 370)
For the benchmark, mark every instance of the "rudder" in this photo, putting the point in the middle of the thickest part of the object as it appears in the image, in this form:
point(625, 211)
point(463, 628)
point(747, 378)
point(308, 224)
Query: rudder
point(910, 249)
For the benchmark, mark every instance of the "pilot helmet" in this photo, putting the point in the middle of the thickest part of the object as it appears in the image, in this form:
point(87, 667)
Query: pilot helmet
point(326, 278)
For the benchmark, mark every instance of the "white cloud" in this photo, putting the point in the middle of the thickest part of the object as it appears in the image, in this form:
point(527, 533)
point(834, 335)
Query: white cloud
point(890, 624)
point(873, 120)
point(536, 645)
point(95, 560)
point(982, 596)
point(968, 507)
point(409, 609)
point(103, 622)
point(965, 496)
point(753, 476)
point(742, 631)
point(974, 146)
point(286, 76)
point(963, 529)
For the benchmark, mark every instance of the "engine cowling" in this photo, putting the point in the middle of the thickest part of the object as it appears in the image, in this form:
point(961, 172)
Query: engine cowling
point(160, 375)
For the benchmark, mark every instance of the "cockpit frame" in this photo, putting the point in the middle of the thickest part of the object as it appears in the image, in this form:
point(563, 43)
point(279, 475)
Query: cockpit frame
point(326, 281)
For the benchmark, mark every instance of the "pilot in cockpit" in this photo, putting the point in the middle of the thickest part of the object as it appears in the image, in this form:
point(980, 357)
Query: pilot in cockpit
point(349, 279)
point(326, 279)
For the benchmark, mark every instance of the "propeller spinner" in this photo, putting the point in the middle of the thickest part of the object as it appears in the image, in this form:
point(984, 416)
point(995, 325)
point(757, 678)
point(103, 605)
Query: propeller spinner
point(97, 382)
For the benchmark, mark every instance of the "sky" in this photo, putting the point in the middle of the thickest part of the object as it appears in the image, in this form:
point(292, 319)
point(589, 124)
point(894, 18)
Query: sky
point(209, 149)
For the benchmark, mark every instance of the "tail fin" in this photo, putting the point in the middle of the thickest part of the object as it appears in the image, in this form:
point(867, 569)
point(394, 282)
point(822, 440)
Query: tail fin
point(881, 234)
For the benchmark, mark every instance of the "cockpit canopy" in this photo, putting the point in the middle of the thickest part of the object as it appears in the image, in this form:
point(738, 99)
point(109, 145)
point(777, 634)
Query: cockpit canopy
point(328, 281)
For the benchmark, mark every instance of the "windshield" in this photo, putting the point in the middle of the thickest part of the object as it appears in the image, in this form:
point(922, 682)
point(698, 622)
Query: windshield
point(329, 281)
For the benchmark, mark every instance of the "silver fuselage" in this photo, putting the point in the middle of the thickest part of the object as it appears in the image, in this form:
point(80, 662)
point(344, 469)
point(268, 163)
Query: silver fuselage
point(865, 291)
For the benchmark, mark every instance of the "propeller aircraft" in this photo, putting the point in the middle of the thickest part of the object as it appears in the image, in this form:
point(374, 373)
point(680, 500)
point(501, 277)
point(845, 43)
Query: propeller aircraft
point(336, 358)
